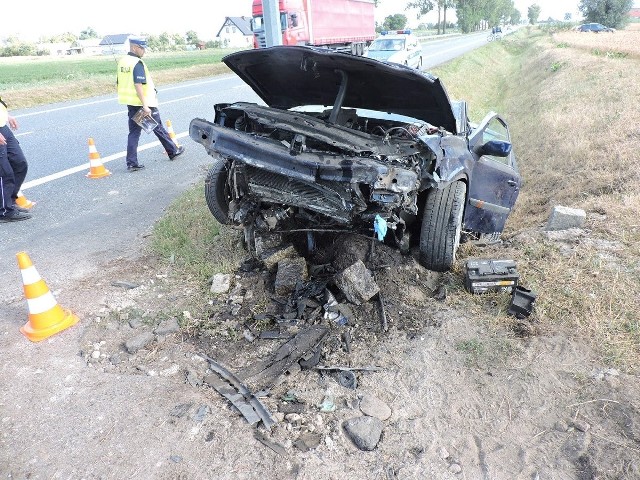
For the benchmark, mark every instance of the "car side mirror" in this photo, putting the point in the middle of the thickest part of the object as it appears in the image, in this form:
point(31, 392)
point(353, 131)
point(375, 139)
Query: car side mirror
point(294, 20)
point(496, 148)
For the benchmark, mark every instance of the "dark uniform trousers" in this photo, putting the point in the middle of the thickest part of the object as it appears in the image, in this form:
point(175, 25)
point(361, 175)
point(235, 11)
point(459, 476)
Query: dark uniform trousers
point(13, 170)
point(134, 135)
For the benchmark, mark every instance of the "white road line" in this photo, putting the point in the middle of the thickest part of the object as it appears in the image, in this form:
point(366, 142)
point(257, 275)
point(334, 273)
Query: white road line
point(111, 99)
point(65, 108)
point(162, 103)
point(22, 133)
point(79, 168)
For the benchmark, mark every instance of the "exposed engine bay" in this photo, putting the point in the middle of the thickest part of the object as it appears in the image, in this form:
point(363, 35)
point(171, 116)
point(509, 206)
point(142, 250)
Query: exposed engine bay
point(330, 170)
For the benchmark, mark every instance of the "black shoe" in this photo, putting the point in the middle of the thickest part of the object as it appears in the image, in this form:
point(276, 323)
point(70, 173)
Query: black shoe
point(179, 151)
point(20, 209)
point(14, 216)
point(135, 168)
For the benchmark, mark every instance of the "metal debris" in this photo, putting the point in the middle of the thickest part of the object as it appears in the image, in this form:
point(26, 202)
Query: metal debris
point(232, 388)
point(276, 447)
point(265, 373)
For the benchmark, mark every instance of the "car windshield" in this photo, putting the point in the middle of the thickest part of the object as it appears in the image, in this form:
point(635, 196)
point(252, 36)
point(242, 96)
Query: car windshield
point(387, 44)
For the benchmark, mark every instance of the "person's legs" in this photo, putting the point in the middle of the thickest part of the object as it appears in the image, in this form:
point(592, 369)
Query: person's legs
point(7, 180)
point(162, 134)
point(17, 161)
point(133, 138)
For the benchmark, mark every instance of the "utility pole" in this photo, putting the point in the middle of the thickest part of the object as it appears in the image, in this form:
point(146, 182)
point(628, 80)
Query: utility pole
point(272, 27)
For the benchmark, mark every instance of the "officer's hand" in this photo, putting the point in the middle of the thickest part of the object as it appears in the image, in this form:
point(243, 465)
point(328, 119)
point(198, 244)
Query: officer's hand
point(2, 140)
point(147, 111)
point(13, 123)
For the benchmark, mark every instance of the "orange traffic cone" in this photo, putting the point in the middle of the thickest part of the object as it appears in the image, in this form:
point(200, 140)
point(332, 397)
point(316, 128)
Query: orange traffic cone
point(46, 317)
point(96, 168)
point(23, 202)
point(172, 134)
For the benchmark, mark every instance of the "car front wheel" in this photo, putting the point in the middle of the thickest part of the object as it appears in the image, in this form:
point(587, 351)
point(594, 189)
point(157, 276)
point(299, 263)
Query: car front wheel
point(216, 191)
point(441, 226)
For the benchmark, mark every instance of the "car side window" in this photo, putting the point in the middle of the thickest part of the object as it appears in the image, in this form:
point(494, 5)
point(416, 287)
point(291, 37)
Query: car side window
point(496, 130)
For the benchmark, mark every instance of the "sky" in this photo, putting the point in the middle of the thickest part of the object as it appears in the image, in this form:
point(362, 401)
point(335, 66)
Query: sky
point(205, 17)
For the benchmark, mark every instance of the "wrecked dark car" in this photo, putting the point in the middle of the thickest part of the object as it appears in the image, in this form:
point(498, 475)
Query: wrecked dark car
point(351, 144)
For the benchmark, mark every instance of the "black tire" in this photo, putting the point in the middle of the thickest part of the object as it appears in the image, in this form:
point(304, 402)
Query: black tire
point(216, 191)
point(441, 226)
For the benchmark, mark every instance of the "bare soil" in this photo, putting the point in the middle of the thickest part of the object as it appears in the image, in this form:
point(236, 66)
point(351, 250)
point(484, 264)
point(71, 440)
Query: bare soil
point(469, 399)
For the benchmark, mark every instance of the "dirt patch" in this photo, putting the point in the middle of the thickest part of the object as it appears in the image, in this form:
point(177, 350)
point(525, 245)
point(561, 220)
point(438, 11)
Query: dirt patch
point(455, 397)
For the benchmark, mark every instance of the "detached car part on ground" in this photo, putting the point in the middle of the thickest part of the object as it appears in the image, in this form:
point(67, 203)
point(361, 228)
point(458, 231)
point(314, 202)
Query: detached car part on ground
point(352, 144)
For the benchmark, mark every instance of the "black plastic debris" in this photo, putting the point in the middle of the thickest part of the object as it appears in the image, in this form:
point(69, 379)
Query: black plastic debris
point(347, 379)
point(522, 301)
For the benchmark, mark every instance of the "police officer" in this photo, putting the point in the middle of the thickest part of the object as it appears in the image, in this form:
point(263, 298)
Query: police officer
point(13, 168)
point(136, 90)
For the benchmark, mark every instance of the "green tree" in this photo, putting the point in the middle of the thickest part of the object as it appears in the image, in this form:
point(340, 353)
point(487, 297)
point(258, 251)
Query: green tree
point(567, 17)
point(192, 37)
point(88, 33)
point(613, 13)
point(516, 16)
point(471, 14)
point(394, 22)
point(533, 12)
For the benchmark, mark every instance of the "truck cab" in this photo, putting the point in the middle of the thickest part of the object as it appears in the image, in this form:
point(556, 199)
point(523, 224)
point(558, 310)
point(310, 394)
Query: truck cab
point(399, 46)
point(340, 25)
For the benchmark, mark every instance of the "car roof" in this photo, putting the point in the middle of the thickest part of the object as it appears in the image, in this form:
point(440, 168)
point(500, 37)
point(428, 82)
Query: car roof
point(292, 76)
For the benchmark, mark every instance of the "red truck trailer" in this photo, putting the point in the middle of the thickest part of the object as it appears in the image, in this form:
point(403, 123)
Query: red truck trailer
point(345, 25)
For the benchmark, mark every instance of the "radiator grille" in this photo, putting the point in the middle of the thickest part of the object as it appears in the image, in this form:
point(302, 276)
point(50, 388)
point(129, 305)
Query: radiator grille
point(333, 200)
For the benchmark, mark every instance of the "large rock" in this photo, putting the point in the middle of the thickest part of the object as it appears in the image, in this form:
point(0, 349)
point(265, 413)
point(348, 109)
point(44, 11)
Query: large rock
point(357, 283)
point(139, 341)
point(220, 283)
point(374, 407)
point(562, 218)
point(364, 431)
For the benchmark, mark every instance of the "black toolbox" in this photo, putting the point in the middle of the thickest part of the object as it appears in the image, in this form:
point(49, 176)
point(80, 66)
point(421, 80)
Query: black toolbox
point(484, 275)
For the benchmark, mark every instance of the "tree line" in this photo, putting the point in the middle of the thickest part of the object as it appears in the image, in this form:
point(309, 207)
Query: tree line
point(473, 15)
point(164, 42)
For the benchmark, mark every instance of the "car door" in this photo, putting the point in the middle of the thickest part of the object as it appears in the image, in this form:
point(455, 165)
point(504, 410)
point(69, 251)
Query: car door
point(494, 182)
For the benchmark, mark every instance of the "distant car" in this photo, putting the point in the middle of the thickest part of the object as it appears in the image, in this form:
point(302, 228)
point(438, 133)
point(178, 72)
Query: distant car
point(399, 46)
point(350, 144)
point(595, 27)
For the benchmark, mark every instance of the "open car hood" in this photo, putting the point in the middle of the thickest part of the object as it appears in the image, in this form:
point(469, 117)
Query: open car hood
point(292, 76)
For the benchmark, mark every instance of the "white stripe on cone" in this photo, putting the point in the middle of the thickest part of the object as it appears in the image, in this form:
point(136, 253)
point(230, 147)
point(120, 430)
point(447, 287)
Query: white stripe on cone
point(42, 304)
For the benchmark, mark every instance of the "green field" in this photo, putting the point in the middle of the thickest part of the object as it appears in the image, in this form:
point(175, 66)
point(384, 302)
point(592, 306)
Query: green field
point(29, 81)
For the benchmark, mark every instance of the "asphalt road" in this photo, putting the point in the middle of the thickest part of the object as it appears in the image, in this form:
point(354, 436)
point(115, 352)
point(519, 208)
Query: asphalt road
point(79, 223)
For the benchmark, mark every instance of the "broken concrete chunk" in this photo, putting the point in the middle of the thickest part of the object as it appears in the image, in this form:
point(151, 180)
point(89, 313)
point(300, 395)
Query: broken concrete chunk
point(357, 283)
point(307, 441)
point(167, 327)
point(139, 341)
point(290, 272)
point(365, 431)
point(220, 283)
point(562, 218)
point(270, 258)
point(374, 407)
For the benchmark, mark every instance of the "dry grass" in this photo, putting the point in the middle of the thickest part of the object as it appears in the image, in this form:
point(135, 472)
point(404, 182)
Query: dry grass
point(576, 132)
point(620, 43)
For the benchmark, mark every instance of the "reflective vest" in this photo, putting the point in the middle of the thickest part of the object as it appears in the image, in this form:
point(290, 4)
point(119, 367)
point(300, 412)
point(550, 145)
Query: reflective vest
point(126, 87)
point(4, 113)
